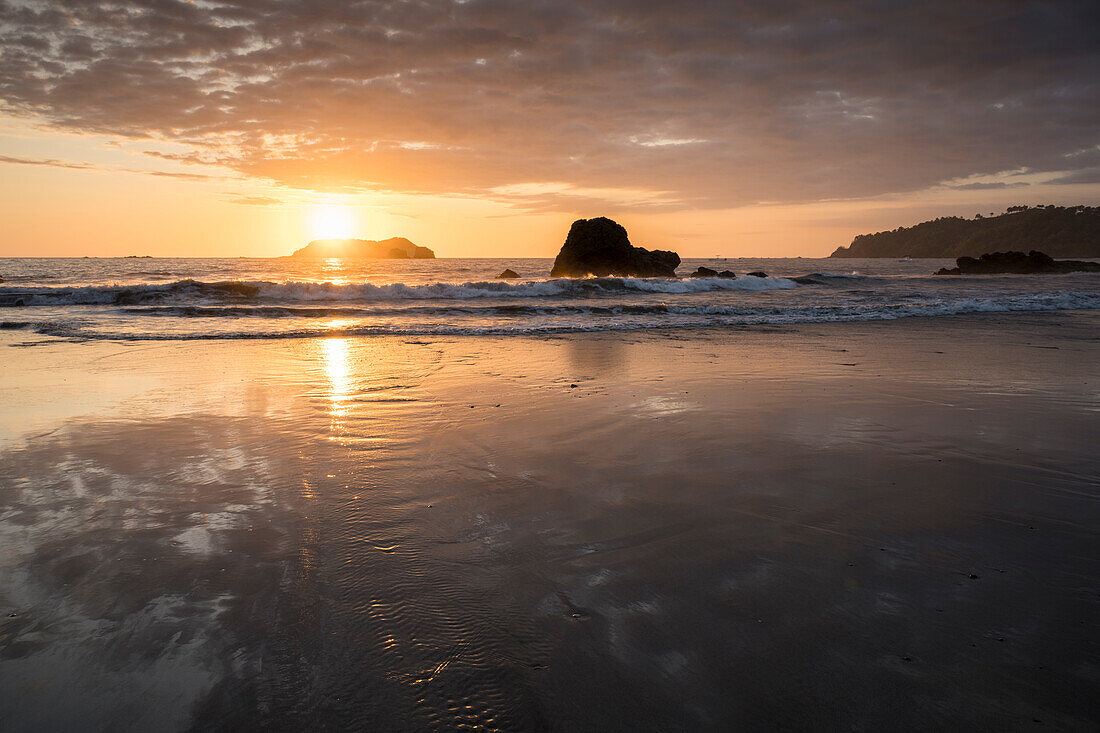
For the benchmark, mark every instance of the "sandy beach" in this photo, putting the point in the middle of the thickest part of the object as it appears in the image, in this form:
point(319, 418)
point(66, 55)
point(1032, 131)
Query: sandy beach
point(858, 526)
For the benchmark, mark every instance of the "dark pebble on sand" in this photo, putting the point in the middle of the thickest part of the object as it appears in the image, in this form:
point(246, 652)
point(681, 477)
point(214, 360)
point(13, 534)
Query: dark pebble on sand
point(572, 386)
point(972, 576)
point(907, 659)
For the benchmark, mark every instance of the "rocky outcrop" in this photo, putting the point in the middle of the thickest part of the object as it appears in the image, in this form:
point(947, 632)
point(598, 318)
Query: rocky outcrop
point(1061, 231)
point(600, 247)
point(1017, 263)
point(757, 274)
point(396, 248)
point(508, 275)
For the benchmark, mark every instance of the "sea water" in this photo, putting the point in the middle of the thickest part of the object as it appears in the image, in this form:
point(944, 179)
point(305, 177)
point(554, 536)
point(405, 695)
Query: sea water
point(226, 298)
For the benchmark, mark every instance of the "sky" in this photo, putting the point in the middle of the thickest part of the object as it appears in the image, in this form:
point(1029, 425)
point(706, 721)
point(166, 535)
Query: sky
point(484, 127)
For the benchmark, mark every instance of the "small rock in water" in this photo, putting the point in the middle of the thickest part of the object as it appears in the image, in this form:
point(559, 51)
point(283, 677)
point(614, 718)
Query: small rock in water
point(508, 275)
point(972, 576)
point(727, 275)
point(757, 274)
point(704, 272)
point(995, 263)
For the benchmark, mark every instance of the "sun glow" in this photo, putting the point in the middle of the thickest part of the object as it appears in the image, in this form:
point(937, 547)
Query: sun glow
point(332, 221)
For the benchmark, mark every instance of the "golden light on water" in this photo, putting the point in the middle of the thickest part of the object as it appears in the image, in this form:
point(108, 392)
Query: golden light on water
point(334, 271)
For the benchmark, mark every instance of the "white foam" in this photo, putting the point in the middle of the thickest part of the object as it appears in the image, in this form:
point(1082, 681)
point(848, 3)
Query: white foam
point(191, 291)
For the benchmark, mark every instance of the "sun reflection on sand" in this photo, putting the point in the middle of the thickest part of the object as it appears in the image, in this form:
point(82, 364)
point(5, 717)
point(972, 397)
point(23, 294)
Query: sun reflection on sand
point(338, 371)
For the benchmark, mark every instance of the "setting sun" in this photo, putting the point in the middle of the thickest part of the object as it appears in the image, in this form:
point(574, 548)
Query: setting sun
point(332, 221)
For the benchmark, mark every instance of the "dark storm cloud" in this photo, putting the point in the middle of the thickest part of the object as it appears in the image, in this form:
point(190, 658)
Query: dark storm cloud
point(711, 102)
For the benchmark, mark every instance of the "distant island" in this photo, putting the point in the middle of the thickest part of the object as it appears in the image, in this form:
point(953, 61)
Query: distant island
point(1060, 231)
point(395, 248)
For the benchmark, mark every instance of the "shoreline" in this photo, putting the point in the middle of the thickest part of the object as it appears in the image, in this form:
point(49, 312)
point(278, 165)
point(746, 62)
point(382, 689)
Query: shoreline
point(705, 330)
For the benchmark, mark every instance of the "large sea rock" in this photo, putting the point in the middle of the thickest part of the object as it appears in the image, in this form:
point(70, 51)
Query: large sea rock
point(600, 247)
point(1017, 263)
point(396, 248)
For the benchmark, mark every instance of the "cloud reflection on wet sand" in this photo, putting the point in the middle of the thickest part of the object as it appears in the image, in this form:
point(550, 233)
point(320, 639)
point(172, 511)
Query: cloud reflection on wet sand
point(715, 529)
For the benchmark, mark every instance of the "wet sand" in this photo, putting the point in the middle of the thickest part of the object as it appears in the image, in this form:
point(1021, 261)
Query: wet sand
point(859, 526)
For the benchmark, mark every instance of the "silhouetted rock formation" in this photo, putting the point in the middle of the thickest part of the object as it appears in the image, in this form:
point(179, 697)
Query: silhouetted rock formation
point(756, 274)
point(600, 247)
point(387, 249)
point(508, 275)
point(1017, 263)
point(1072, 231)
point(727, 275)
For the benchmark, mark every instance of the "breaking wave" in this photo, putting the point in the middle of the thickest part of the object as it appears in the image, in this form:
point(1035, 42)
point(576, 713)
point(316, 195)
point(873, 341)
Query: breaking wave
point(569, 318)
point(192, 291)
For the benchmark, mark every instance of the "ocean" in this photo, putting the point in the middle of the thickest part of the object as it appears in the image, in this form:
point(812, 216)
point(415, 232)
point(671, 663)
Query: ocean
point(250, 298)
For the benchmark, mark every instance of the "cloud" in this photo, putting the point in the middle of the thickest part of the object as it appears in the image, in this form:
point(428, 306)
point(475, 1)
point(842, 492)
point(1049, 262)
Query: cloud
point(173, 174)
point(75, 165)
point(988, 186)
point(253, 200)
point(1085, 175)
point(48, 162)
point(709, 103)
